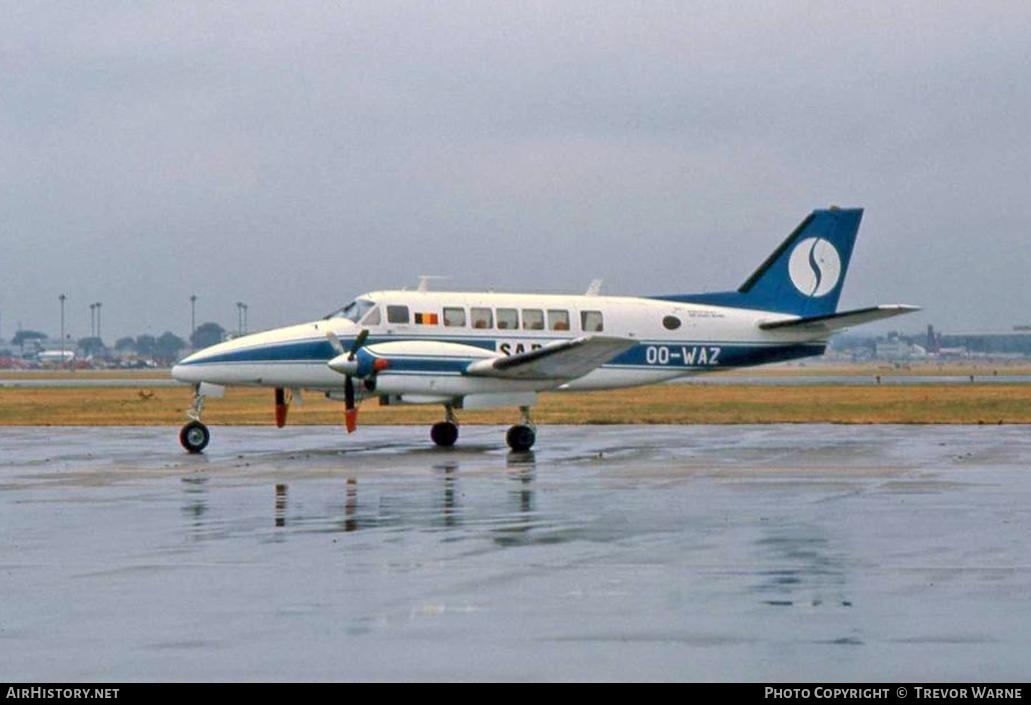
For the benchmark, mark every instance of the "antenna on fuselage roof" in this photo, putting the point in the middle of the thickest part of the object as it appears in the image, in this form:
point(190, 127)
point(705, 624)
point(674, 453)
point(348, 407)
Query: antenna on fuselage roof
point(425, 279)
point(594, 289)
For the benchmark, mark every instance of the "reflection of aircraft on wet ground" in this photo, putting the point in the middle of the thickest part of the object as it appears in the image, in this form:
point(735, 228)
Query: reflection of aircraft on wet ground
point(473, 350)
point(508, 518)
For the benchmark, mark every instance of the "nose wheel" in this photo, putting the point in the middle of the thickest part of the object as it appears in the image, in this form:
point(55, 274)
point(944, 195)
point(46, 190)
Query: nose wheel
point(194, 436)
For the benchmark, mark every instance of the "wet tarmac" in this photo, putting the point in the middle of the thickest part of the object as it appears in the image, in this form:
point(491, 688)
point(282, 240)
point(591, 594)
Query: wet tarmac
point(784, 552)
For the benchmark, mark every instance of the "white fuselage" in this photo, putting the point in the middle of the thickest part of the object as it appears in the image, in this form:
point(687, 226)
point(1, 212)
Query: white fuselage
point(441, 328)
point(56, 356)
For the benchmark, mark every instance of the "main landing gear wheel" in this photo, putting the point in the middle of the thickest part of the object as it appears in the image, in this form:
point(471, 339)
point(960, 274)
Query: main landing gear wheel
point(194, 436)
point(444, 434)
point(521, 438)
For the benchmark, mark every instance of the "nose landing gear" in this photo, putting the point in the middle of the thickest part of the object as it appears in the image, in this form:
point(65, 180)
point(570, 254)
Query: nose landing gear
point(194, 436)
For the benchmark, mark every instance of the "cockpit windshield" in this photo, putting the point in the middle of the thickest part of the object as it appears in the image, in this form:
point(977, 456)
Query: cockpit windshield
point(353, 311)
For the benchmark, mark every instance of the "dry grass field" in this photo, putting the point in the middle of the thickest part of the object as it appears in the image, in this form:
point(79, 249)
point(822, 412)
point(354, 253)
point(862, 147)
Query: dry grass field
point(968, 403)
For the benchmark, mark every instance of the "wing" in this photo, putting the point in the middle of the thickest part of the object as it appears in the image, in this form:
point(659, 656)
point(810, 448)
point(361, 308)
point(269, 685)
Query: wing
point(838, 321)
point(562, 360)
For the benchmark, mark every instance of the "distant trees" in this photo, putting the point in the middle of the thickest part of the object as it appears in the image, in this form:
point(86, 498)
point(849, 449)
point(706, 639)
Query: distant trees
point(165, 348)
point(22, 336)
point(91, 346)
point(146, 345)
point(207, 334)
point(168, 346)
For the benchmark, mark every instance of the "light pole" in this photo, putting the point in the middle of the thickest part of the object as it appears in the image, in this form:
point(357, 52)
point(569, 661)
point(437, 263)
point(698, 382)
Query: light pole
point(245, 326)
point(193, 317)
point(241, 313)
point(98, 305)
point(92, 320)
point(61, 298)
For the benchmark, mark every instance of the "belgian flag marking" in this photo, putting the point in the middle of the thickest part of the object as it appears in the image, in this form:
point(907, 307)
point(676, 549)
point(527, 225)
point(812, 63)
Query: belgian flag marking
point(427, 319)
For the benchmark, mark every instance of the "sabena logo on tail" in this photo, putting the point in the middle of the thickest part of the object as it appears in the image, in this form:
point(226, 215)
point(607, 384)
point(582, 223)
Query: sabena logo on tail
point(814, 267)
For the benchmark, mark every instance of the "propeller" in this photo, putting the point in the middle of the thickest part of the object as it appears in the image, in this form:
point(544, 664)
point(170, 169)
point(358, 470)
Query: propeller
point(350, 368)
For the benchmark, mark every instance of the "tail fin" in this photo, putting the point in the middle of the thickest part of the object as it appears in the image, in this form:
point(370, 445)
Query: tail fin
point(805, 275)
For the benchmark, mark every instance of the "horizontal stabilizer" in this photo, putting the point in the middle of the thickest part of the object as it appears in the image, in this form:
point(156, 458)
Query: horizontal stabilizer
point(562, 360)
point(838, 321)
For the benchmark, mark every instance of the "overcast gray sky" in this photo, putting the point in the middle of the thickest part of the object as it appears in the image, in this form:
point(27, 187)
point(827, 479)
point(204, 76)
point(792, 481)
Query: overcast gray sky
point(292, 155)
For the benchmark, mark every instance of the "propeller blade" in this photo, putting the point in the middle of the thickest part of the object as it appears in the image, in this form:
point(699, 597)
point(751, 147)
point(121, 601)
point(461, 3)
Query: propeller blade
point(338, 347)
point(349, 392)
point(281, 407)
point(350, 408)
point(358, 342)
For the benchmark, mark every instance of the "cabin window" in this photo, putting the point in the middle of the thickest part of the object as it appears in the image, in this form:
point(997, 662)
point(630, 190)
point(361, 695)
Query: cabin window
point(591, 321)
point(533, 319)
point(373, 318)
point(558, 320)
point(397, 314)
point(670, 322)
point(508, 318)
point(454, 317)
point(482, 317)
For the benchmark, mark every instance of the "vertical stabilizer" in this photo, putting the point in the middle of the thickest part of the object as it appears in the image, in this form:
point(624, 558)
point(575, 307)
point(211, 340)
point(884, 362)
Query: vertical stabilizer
point(804, 275)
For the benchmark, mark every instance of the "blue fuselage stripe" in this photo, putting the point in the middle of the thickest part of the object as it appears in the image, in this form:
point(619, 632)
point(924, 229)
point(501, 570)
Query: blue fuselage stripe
point(647, 355)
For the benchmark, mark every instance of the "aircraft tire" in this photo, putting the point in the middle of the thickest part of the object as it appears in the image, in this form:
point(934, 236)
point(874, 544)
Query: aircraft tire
point(194, 437)
point(520, 438)
point(444, 434)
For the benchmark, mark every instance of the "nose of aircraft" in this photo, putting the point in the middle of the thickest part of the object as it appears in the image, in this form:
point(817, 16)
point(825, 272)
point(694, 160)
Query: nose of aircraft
point(233, 360)
point(191, 369)
point(184, 371)
point(204, 365)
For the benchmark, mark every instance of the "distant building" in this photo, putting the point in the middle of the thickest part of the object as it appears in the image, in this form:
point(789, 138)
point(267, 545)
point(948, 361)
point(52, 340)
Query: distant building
point(934, 342)
point(1017, 343)
point(898, 349)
